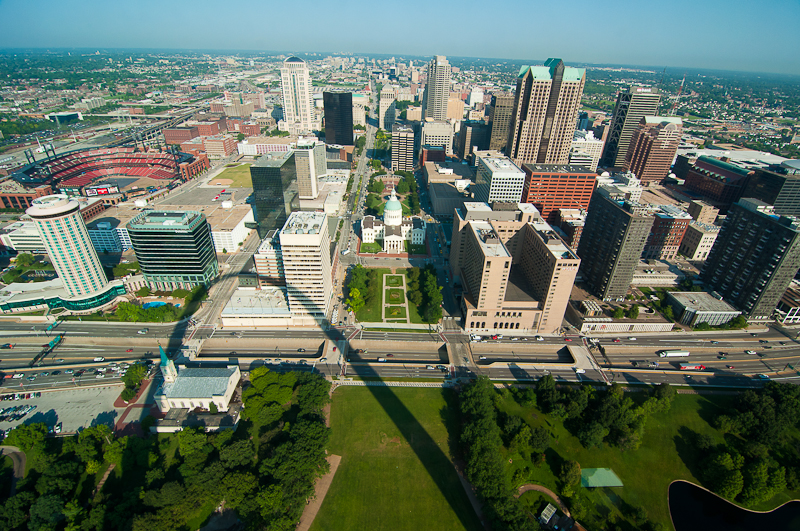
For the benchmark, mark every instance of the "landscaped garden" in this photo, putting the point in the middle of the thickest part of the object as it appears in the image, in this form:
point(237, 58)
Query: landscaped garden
point(395, 296)
point(744, 448)
point(395, 312)
point(374, 247)
point(397, 469)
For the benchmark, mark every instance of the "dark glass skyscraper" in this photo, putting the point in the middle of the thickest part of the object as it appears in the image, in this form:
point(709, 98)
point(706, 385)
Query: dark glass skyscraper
point(174, 249)
point(275, 191)
point(338, 117)
point(754, 259)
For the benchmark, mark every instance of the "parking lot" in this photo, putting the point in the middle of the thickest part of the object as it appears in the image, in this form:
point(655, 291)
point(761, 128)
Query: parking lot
point(73, 408)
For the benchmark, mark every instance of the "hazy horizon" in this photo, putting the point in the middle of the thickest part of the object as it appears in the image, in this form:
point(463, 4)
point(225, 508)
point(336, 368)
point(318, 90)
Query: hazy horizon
point(706, 35)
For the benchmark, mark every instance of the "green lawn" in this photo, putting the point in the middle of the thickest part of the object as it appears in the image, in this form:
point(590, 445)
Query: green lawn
point(413, 314)
point(665, 455)
point(395, 312)
point(240, 175)
point(372, 312)
point(371, 247)
point(396, 471)
point(415, 248)
point(393, 280)
point(396, 296)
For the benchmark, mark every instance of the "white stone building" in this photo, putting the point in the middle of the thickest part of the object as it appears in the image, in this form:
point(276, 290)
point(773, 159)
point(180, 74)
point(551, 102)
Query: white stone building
point(393, 230)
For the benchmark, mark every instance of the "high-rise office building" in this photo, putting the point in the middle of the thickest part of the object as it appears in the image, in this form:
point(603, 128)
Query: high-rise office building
point(402, 148)
point(612, 241)
point(551, 187)
point(632, 105)
point(500, 120)
point(545, 112)
point(67, 242)
point(498, 180)
point(306, 255)
point(174, 249)
point(516, 273)
point(310, 165)
point(387, 106)
point(585, 150)
point(754, 258)
point(296, 93)
point(275, 190)
point(776, 189)
point(702, 212)
point(338, 107)
point(720, 183)
point(268, 260)
point(653, 147)
point(438, 134)
point(474, 135)
point(437, 90)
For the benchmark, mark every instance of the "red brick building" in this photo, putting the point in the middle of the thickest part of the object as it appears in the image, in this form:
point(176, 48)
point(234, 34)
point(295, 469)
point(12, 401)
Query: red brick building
point(550, 187)
point(432, 154)
point(177, 135)
point(206, 128)
point(14, 195)
point(220, 145)
point(669, 226)
point(192, 169)
point(719, 182)
point(250, 129)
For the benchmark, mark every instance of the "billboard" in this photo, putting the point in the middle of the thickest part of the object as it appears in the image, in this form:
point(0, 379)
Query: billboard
point(101, 190)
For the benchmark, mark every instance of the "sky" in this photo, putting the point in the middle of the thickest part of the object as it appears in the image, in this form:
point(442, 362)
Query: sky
point(715, 34)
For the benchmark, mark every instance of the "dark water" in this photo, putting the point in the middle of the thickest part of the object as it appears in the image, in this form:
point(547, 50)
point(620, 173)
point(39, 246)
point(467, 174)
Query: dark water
point(695, 509)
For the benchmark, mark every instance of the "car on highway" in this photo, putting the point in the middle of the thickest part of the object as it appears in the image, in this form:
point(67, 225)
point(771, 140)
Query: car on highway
point(715, 342)
point(145, 330)
point(579, 371)
point(617, 340)
point(69, 371)
point(99, 358)
point(567, 339)
point(751, 352)
point(538, 338)
point(129, 350)
point(631, 339)
point(754, 335)
point(762, 341)
point(31, 378)
point(322, 360)
point(390, 355)
point(18, 376)
point(301, 350)
point(430, 367)
point(100, 375)
point(60, 360)
point(730, 366)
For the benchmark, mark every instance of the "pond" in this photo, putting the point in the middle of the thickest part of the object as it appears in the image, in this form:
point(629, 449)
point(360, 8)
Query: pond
point(156, 304)
point(695, 509)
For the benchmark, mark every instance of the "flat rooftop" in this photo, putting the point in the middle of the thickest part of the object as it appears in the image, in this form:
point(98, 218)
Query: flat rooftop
point(220, 219)
point(159, 219)
point(501, 165)
point(553, 243)
point(266, 302)
point(701, 301)
point(304, 223)
point(488, 239)
point(272, 160)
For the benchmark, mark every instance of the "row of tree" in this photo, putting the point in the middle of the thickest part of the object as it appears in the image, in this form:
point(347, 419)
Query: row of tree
point(265, 470)
point(424, 291)
point(481, 443)
point(757, 458)
point(364, 286)
point(602, 418)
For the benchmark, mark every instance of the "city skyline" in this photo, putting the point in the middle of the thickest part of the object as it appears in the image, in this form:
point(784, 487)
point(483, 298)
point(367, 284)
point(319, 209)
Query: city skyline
point(59, 25)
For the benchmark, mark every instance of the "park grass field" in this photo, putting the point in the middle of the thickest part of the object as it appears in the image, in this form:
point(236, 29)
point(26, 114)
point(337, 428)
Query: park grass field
point(239, 175)
point(396, 471)
point(666, 454)
point(373, 311)
point(396, 296)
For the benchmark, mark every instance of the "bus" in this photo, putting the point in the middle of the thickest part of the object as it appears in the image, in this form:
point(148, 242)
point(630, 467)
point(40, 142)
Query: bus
point(673, 353)
point(692, 367)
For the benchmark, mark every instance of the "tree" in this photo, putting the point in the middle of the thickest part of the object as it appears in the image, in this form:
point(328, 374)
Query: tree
point(240, 137)
point(633, 312)
point(46, 512)
point(355, 302)
point(619, 313)
point(540, 439)
point(240, 453)
point(26, 436)
point(143, 292)
point(191, 440)
point(591, 435)
point(134, 375)
point(25, 260)
point(570, 473)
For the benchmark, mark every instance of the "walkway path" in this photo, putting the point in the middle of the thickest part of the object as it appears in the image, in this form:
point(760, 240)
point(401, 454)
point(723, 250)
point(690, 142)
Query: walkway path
point(387, 304)
point(320, 490)
point(18, 458)
point(544, 490)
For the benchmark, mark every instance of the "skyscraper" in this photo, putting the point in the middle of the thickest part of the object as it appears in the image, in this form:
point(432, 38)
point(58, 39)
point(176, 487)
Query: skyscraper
point(545, 113)
point(612, 242)
point(338, 108)
point(310, 165)
point(500, 120)
point(474, 135)
point(551, 187)
point(174, 249)
point(68, 244)
point(653, 147)
point(754, 258)
point(275, 190)
point(437, 91)
point(306, 256)
point(387, 106)
point(632, 105)
point(296, 94)
point(402, 148)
